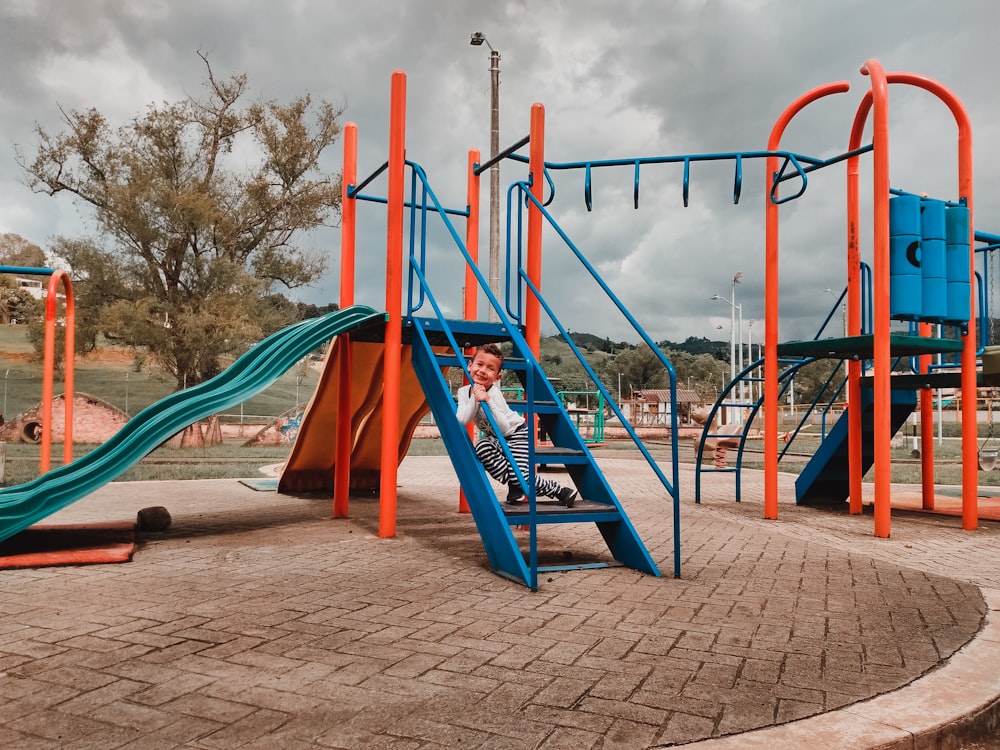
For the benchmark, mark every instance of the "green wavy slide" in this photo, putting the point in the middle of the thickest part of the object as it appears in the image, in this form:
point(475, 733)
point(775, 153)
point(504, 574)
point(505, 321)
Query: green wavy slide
point(25, 504)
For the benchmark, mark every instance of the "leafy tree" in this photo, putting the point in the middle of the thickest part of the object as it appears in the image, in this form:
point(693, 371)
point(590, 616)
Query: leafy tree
point(193, 239)
point(16, 304)
point(639, 368)
point(17, 251)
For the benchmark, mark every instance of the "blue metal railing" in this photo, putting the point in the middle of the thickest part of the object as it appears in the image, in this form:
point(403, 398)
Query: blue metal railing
point(800, 164)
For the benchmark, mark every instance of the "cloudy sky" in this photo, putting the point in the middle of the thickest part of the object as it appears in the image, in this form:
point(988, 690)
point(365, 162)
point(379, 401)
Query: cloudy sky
point(623, 79)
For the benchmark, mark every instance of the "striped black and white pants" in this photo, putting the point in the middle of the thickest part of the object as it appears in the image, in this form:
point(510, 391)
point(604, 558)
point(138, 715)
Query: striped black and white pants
point(490, 453)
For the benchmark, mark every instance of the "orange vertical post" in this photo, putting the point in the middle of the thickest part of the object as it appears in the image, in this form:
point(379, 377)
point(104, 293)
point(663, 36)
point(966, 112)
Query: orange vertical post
point(470, 292)
point(970, 437)
point(536, 168)
point(771, 298)
point(48, 368)
point(471, 288)
point(970, 431)
point(393, 351)
point(926, 431)
point(348, 237)
point(970, 479)
point(881, 355)
point(854, 434)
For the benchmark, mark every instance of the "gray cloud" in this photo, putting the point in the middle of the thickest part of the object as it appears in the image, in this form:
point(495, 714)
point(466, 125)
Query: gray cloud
point(625, 79)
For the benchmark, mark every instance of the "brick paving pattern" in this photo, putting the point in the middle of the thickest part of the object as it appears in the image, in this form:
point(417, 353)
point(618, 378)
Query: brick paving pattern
point(255, 621)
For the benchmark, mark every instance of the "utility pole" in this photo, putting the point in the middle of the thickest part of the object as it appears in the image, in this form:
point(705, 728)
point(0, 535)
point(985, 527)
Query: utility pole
point(478, 39)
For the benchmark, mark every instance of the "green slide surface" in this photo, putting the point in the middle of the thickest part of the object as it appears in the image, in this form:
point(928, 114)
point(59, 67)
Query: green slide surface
point(262, 365)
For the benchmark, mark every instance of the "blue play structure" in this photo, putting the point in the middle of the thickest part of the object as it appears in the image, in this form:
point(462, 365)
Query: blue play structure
point(440, 340)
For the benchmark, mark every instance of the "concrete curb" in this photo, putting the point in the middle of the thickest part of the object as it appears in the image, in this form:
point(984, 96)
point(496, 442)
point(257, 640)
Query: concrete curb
point(957, 702)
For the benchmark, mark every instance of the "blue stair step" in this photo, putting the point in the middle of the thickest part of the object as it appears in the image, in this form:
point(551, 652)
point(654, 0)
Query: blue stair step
point(494, 519)
point(825, 480)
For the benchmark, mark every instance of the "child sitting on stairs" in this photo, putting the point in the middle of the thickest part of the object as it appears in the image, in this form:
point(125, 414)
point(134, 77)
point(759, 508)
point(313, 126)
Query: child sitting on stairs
point(486, 370)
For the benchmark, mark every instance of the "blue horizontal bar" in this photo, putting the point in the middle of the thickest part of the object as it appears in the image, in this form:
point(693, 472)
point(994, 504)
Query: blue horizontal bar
point(27, 270)
point(409, 204)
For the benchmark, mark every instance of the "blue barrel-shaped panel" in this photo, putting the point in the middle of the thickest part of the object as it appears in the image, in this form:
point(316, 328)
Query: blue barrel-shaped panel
point(904, 214)
point(957, 225)
point(933, 298)
point(932, 258)
point(904, 296)
point(905, 280)
point(957, 251)
point(932, 220)
point(904, 257)
point(958, 263)
point(959, 302)
point(934, 289)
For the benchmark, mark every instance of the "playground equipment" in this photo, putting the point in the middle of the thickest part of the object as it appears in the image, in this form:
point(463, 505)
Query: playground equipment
point(588, 413)
point(263, 364)
point(922, 272)
point(387, 379)
point(384, 371)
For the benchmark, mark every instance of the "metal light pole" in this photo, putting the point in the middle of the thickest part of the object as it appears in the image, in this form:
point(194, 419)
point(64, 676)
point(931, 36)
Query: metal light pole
point(477, 40)
point(733, 360)
point(736, 280)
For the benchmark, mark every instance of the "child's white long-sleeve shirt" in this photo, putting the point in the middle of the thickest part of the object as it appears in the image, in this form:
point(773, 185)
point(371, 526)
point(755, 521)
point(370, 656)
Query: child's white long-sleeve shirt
point(469, 409)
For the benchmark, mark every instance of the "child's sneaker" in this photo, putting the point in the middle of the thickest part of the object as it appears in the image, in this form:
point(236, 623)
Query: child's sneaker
point(567, 496)
point(514, 494)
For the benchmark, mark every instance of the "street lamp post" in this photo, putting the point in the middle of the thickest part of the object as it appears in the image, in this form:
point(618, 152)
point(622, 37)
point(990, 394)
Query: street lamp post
point(734, 359)
point(477, 40)
point(843, 315)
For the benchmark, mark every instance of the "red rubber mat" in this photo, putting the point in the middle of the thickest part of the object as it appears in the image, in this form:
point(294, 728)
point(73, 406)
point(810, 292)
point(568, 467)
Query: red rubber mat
point(42, 546)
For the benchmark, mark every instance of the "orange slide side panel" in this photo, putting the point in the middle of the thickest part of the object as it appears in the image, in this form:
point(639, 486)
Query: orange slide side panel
point(310, 465)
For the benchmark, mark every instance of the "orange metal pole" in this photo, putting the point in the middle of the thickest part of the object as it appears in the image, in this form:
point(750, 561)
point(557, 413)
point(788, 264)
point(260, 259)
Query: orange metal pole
point(536, 168)
point(49, 366)
point(926, 431)
point(970, 479)
point(771, 298)
point(393, 350)
point(854, 435)
point(471, 289)
point(69, 376)
point(881, 355)
point(348, 236)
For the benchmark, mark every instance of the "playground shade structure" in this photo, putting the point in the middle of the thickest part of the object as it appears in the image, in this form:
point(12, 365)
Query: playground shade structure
point(23, 505)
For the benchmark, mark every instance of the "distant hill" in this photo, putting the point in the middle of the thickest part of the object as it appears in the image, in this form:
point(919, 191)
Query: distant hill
point(692, 345)
point(696, 345)
point(591, 343)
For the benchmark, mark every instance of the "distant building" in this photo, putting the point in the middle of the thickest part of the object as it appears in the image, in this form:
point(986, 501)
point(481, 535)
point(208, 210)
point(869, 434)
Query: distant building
point(650, 407)
point(35, 287)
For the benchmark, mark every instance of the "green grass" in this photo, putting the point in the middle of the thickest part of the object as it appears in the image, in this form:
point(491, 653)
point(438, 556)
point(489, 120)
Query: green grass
point(226, 461)
point(119, 384)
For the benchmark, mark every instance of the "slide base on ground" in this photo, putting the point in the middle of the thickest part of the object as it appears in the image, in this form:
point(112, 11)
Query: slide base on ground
point(312, 461)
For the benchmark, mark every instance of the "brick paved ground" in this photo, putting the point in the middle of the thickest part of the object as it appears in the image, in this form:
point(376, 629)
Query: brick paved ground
point(257, 622)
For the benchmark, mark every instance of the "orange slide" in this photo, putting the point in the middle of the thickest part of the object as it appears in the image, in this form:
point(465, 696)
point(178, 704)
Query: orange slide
point(310, 466)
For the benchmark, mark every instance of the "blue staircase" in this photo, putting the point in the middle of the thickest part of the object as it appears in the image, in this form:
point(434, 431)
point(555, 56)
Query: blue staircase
point(494, 519)
point(825, 479)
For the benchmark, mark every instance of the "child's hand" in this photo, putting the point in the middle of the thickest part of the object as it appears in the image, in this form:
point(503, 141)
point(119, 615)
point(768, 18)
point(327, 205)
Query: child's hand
point(479, 391)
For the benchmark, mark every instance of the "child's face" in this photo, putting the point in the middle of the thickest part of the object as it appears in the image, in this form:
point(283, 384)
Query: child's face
point(485, 368)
